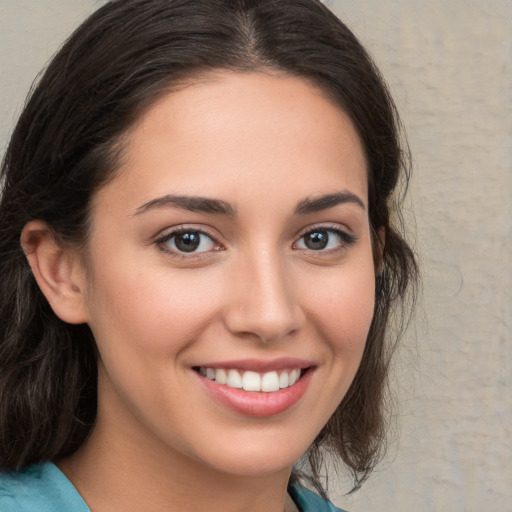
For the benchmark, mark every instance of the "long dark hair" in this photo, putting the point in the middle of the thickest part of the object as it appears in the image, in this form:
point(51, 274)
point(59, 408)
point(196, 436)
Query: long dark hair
point(68, 142)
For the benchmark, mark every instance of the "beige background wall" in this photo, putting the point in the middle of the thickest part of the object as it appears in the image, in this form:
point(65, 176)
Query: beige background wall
point(449, 65)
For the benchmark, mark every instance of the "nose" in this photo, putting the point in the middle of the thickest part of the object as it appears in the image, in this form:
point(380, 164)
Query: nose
point(262, 302)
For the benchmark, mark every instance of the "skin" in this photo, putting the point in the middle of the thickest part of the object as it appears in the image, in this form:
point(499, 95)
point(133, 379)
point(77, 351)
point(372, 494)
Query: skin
point(262, 143)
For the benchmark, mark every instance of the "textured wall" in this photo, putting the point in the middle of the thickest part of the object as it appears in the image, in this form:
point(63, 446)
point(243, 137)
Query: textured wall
point(449, 65)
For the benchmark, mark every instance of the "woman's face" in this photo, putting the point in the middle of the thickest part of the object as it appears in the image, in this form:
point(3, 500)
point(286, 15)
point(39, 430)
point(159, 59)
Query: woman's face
point(233, 245)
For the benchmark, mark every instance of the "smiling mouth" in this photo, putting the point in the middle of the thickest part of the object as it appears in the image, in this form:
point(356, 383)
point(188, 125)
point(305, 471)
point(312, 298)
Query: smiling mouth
point(248, 380)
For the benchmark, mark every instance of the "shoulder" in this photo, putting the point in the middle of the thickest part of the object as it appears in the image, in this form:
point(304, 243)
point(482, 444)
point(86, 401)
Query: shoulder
point(38, 488)
point(308, 501)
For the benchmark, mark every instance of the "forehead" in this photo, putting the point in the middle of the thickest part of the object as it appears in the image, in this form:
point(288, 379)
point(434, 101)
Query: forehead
point(227, 131)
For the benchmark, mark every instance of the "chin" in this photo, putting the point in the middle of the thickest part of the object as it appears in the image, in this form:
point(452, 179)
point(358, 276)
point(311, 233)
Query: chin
point(254, 460)
point(256, 468)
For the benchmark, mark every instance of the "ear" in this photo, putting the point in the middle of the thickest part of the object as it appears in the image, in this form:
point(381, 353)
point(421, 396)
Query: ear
point(57, 270)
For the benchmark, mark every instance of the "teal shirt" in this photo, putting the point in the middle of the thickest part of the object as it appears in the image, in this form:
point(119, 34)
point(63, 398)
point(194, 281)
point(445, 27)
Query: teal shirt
point(39, 488)
point(44, 488)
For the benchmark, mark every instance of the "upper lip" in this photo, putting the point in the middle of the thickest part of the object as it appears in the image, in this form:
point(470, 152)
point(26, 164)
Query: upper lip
point(259, 365)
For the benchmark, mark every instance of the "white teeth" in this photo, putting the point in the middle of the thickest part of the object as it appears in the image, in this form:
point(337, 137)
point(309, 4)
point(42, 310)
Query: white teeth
point(221, 376)
point(270, 382)
point(293, 377)
point(234, 379)
point(252, 381)
point(284, 380)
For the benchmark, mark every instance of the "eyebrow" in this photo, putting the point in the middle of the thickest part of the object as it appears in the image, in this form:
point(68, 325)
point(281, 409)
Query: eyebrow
point(220, 207)
point(316, 204)
point(190, 203)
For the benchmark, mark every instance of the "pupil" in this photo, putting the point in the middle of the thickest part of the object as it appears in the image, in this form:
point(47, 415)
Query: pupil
point(187, 242)
point(317, 240)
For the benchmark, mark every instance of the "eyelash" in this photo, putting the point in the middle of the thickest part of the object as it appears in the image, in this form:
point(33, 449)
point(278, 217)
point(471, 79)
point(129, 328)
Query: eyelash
point(346, 240)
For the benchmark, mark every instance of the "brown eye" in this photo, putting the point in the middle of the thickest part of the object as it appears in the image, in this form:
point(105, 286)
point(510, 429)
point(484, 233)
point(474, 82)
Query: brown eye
point(325, 239)
point(316, 240)
point(188, 241)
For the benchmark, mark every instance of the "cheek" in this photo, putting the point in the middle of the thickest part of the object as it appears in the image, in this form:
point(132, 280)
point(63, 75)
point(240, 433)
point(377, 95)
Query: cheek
point(144, 323)
point(340, 306)
point(154, 310)
point(343, 307)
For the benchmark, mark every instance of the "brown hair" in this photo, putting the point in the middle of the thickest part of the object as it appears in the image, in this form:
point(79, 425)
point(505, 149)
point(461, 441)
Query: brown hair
point(66, 146)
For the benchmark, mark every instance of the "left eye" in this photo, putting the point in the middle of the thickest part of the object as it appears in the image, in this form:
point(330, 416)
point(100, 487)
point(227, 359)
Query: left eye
point(324, 239)
point(189, 241)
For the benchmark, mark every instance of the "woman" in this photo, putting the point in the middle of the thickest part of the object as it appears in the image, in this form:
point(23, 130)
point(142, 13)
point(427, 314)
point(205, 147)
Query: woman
point(198, 262)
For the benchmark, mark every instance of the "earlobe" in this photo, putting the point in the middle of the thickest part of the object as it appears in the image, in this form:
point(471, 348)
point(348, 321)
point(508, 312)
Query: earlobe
point(57, 270)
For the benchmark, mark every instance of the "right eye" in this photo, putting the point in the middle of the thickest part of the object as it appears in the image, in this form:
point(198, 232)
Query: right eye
point(187, 241)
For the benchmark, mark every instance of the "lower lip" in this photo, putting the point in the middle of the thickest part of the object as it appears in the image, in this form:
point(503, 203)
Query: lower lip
point(258, 403)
